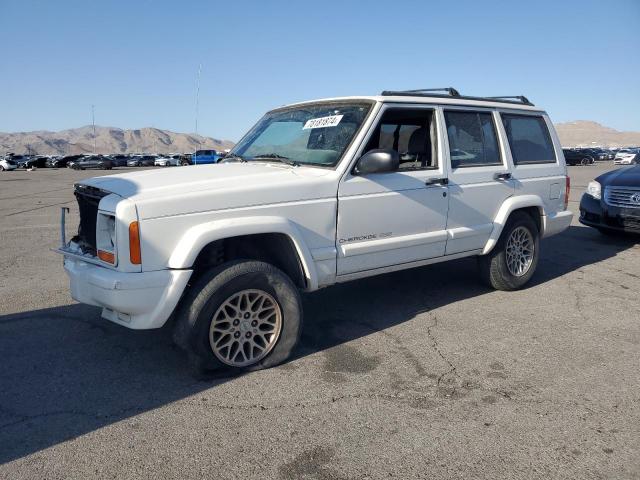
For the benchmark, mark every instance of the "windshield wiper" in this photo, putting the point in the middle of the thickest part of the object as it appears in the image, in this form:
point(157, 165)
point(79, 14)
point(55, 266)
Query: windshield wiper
point(277, 158)
point(233, 157)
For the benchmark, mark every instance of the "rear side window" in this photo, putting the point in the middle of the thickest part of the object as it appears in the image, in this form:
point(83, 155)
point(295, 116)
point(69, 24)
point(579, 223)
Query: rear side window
point(472, 139)
point(529, 139)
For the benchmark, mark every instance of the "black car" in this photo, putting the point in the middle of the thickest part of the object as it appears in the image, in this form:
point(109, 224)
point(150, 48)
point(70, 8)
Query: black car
point(28, 161)
point(144, 161)
point(94, 161)
point(578, 156)
point(612, 201)
point(119, 160)
point(38, 162)
point(19, 160)
point(602, 154)
point(62, 162)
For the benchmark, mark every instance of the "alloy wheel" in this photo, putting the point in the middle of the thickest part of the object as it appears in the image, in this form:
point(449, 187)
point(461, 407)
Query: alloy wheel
point(245, 328)
point(520, 251)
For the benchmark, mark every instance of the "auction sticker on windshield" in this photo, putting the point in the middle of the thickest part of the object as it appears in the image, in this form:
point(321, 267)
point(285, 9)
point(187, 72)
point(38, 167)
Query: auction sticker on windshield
point(321, 122)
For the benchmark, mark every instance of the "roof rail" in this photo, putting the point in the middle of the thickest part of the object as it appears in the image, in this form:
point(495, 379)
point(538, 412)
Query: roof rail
point(452, 92)
point(520, 98)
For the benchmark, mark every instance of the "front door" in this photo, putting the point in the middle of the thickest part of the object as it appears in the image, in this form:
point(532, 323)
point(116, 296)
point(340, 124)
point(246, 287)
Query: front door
point(396, 217)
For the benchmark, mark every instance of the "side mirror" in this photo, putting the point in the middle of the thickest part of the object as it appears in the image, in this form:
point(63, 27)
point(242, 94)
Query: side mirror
point(378, 161)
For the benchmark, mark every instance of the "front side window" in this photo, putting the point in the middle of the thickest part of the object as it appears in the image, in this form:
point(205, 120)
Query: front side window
point(472, 139)
point(529, 139)
point(411, 133)
point(313, 134)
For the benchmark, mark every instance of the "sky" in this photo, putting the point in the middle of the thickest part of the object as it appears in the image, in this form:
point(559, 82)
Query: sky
point(138, 61)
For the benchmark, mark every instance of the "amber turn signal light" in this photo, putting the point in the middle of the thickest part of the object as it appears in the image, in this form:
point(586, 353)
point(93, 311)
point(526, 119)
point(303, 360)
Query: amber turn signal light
point(106, 257)
point(134, 244)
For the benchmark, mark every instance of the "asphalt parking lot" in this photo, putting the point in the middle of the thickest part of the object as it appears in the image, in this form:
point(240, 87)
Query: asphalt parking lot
point(417, 374)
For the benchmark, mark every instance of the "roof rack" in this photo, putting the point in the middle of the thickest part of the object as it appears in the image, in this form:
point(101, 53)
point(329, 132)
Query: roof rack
point(452, 92)
point(519, 98)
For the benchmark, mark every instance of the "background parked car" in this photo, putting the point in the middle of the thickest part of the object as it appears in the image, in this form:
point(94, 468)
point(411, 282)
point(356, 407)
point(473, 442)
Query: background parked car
point(29, 161)
point(602, 154)
point(168, 160)
point(7, 164)
point(612, 201)
point(627, 156)
point(38, 162)
point(142, 161)
point(185, 159)
point(61, 162)
point(119, 160)
point(574, 156)
point(19, 160)
point(93, 161)
point(201, 157)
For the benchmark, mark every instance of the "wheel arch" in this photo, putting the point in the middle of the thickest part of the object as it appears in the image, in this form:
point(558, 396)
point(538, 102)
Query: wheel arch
point(273, 239)
point(531, 204)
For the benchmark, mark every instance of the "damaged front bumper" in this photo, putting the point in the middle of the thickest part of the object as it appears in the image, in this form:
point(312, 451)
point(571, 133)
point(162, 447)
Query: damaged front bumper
point(136, 300)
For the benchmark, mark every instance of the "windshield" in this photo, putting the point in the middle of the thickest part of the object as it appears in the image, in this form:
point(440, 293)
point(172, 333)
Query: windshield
point(314, 134)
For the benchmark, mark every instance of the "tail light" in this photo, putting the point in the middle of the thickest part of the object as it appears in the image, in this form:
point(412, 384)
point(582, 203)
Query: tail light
point(134, 243)
point(567, 191)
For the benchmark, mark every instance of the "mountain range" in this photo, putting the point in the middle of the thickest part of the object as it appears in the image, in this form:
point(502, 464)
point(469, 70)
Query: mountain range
point(107, 140)
point(155, 140)
point(585, 133)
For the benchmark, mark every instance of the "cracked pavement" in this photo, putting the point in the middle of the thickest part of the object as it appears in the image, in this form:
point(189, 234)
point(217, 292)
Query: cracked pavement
point(417, 374)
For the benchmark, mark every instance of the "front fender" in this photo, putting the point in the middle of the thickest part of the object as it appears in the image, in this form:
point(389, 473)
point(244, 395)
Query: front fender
point(511, 204)
point(197, 237)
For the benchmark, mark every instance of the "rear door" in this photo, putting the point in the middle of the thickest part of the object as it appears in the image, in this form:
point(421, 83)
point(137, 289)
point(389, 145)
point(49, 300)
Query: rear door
point(479, 176)
point(536, 155)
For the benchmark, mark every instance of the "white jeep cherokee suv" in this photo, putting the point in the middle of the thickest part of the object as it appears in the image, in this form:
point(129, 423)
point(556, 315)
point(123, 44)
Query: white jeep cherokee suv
point(318, 193)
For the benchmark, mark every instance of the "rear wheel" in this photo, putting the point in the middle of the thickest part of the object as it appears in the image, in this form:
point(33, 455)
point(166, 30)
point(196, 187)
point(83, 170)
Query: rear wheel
point(584, 161)
point(242, 315)
point(513, 261)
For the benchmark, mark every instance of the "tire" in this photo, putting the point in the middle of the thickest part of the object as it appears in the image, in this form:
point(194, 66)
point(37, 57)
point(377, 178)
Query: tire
point(494, 267)
point(184, 164)
point(584, 161)
point(220, 287)
point(1, 168)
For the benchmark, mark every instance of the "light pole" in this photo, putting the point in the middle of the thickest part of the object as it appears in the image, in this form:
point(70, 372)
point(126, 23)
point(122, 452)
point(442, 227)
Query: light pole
point(195, 153)
point(93, 122)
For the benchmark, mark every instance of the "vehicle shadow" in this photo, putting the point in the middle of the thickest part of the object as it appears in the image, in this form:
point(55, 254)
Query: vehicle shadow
point(66, 372)
point(360, 308)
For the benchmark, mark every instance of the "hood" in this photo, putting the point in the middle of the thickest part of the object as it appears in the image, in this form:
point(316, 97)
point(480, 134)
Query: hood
point(198, 188)
point(627, 177)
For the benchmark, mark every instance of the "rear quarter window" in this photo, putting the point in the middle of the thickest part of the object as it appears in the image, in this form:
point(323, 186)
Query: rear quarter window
point(529, 139)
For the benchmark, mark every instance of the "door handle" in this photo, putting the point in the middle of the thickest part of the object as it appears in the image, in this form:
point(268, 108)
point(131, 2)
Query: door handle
point(502, 176)
point(437, 181)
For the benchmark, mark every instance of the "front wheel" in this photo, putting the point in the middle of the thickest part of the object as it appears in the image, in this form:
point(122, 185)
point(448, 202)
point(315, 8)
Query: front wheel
point(242, 315)
point(513, 261)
